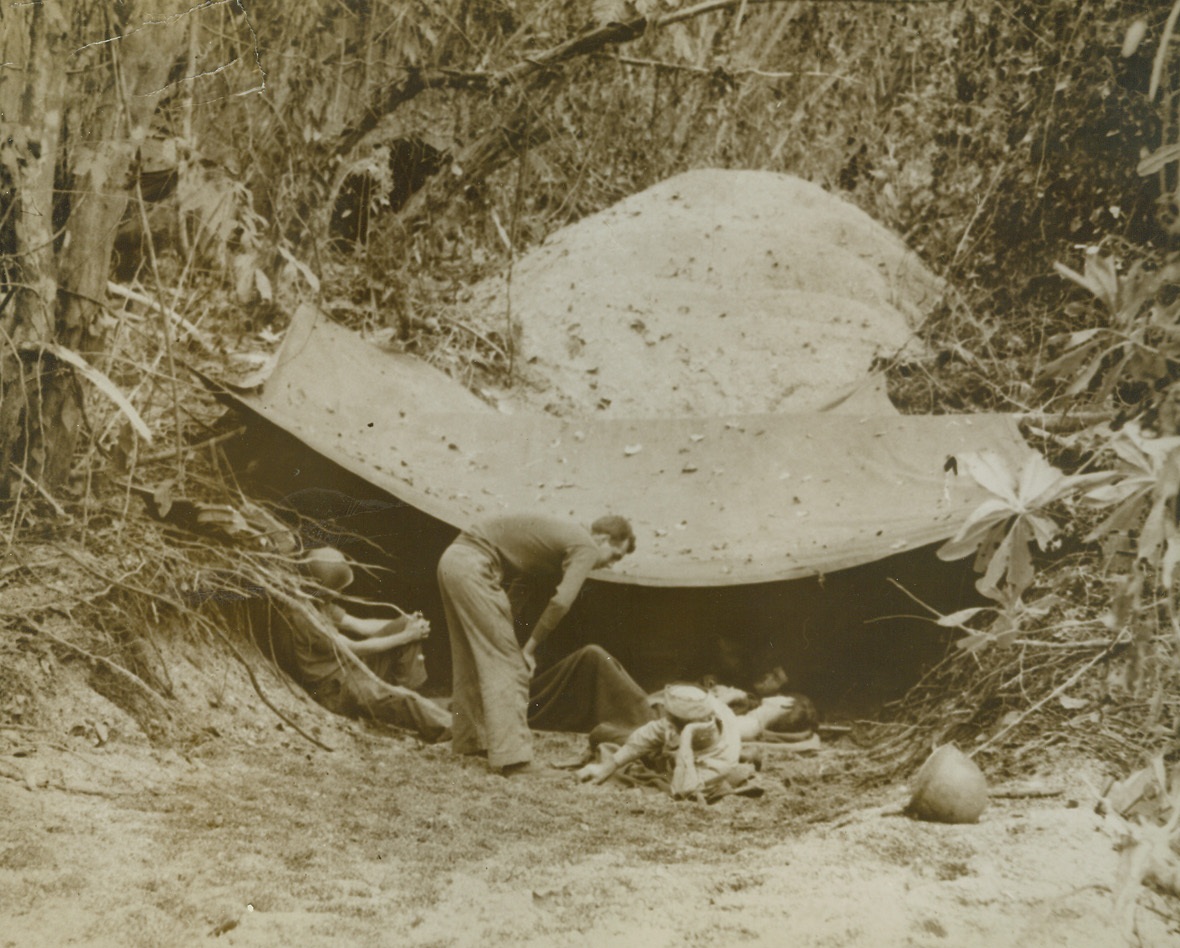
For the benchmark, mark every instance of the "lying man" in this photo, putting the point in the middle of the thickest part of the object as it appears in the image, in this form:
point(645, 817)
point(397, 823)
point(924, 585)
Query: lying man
point(768, 712)
point(692, 750)
point(587, 689)
point(583, 692)
point(781, 719)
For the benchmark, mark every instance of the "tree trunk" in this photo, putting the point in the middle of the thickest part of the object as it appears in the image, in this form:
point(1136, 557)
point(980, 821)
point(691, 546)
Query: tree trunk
point(51, 131)
point(33, 104)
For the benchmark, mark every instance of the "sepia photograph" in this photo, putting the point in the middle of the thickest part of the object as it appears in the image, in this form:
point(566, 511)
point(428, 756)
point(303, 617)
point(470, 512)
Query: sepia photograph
point(590, 473)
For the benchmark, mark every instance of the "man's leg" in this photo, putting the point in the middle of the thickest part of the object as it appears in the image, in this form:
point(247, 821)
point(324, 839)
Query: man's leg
point(466, 703)
point(403, 666)
point(479, 618)
point(504, 684)
point(587, 688)
point(365, 694)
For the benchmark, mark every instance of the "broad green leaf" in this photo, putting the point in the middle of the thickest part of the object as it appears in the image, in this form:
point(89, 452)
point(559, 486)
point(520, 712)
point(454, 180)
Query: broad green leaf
point(1099, 278)
point(104, 385)
point(1153, 534)
point(986, 515)
point(1076, 483)
point(304, 270)
point(973, 642)
point(991, 472)
point(1158, 159)
point(989, 583)
point(989, 545)
point(968, 541)
point(956, 620)
point(1103, 272)
point(1124, 517)
point(1170, 560)
point(1001, 530)
point(1019, 567)
point(1083, 379)
point(1040, 483)
point(1068, 364)
point(1083, 336)
point(1168, 477)
point(162, 496)
point(1042, 528)
point(1119, 491)
point(262, 284)
point(1128, 445)
point(1156, 450)
point(1071, 274)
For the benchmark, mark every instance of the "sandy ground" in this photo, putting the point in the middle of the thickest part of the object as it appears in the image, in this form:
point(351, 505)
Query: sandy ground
point(252, 836)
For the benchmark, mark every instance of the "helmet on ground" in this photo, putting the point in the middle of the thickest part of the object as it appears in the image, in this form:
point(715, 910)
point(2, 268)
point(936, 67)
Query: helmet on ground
point(948, 788)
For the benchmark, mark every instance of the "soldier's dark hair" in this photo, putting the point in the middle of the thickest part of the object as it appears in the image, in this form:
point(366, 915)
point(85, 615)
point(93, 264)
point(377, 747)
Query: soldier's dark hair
point(617, 528)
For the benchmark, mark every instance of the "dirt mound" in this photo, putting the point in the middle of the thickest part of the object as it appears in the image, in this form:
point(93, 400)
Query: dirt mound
point(714, 292)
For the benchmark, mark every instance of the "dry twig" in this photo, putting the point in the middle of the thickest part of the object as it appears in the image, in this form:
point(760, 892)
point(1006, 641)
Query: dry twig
point(118, 669)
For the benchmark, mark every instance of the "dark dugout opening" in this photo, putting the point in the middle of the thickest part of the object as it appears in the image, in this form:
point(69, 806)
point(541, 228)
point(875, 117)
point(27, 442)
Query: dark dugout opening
point(363, 194)
point(851, 640)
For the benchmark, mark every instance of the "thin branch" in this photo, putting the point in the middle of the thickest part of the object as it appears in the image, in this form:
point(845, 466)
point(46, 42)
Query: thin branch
point(127, 293)
point(258, 690)
point(181, 608)
point(39, 488)
point(706, 71)
point(415, 81)
point(1060, 689)
point(497, 147)
point(459, 324)
point(106, 663)
point(199, 445)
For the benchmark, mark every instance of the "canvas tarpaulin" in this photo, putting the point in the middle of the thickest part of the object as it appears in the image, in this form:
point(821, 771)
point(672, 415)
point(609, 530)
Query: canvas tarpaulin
point(715, 501)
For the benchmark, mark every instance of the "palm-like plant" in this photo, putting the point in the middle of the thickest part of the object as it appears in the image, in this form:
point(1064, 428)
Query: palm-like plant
point(1140, 343)
point(1001, 530)
point(1144, 498)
